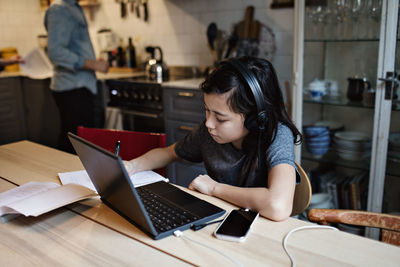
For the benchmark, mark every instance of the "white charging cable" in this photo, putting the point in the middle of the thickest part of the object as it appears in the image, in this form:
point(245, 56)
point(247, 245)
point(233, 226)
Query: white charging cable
point(178, 233)
point(298, 229)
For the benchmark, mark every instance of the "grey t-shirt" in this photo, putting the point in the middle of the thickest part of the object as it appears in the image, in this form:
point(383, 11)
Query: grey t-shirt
point(224, 162)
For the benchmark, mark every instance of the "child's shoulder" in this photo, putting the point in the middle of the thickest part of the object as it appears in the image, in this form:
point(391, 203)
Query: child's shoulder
point(284, 130)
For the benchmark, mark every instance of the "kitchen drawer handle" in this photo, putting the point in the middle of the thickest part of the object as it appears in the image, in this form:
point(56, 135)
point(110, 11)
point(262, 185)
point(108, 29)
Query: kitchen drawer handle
point(186, 94)
point(186, 128)
point(140, 114)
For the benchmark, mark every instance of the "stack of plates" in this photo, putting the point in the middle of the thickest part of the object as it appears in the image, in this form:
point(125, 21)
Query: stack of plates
point(352, 145)
point(317, 139)
point(394, 147)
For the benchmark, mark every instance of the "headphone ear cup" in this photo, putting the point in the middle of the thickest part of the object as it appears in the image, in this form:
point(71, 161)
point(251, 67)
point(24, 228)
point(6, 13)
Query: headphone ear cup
point(251, 123)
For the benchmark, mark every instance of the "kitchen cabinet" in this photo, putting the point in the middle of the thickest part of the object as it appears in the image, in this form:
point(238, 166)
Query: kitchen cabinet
point(41, 112)
point(183, 110)
point(338, 58)
point(12, 116)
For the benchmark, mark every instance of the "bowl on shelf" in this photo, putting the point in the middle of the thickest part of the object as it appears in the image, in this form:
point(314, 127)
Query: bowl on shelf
point(317, 140)
point(352, 145)
point(352, 155)
point(318, 149)
point(352, 136)
point(333, 126)
point(314, 130)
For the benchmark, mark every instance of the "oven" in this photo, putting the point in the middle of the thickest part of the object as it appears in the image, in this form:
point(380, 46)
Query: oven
point(139, 102)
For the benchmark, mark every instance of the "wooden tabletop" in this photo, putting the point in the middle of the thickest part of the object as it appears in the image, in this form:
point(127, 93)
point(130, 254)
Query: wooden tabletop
point(90, 226)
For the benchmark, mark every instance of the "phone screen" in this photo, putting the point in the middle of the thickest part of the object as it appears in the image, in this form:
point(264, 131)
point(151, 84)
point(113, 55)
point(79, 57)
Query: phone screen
point(237, 224)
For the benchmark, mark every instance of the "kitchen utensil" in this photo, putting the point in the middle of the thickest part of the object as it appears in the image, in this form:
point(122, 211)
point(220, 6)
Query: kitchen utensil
point(212, 32)
point(248, 28)
point(145, 10)
point(232, 42)
point(156, 69)
point(132, 5)
point(123, 8)
point(137, 5)
point(255, 39)
point(220, 43)
point(356, 88)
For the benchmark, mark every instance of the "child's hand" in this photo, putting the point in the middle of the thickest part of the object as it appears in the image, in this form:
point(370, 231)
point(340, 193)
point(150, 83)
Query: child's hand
point(204, 184)
point(129, 167)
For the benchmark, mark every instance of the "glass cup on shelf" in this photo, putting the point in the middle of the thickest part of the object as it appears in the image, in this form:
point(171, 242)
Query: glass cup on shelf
point(340, 8)
point(374, 9)
point(356, 9)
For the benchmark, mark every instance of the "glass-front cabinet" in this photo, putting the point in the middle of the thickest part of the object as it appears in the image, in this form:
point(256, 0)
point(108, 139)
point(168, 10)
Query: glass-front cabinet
point(347, 102)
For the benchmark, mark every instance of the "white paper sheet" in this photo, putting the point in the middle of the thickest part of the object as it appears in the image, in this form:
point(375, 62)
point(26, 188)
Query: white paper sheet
point(37, 65)
point(82, 178)
point(36, 198)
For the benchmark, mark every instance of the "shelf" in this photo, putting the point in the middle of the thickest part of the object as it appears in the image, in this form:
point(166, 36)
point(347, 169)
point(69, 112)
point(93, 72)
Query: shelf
point(347, 103)
point(340, 40)
point(392, 167)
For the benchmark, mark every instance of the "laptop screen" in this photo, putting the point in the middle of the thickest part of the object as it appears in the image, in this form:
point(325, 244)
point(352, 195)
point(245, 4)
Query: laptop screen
point(111, 181)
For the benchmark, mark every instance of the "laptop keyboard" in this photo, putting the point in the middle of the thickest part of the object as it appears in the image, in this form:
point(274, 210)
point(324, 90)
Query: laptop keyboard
point(163, 215)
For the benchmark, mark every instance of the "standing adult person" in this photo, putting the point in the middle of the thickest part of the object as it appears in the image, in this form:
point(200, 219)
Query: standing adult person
point(74, 82)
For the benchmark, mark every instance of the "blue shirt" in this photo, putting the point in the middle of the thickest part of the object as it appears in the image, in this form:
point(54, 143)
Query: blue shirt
point(69, 46)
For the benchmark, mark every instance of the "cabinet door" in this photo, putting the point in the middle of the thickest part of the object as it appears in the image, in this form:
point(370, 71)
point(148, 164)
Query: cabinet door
point(12, 115)
point(183, 173)
point(342, 49)
point(183, 104)
point(43, 120)
point(177, 129)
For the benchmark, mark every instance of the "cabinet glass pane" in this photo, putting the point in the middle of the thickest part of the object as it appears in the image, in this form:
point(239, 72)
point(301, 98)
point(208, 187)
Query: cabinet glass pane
point(341, 49)
point(391, 200)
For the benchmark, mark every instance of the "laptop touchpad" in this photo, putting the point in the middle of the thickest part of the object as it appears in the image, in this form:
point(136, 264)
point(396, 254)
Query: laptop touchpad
point(179, 197)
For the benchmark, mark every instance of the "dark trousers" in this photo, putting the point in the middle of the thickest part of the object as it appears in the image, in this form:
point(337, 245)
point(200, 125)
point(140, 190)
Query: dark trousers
point(76, 108)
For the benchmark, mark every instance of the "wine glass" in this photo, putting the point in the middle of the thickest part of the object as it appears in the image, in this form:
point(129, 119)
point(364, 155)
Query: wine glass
point(356, 8)
point(374, 9)
point(339, 10)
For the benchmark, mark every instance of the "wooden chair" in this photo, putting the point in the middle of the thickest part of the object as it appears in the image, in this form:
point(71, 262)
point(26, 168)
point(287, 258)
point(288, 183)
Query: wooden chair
point(302, 193)
point(389, 224)
point(132, 144)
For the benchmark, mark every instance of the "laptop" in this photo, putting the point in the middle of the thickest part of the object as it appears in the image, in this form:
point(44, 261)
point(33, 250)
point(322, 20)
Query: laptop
point(158, 209)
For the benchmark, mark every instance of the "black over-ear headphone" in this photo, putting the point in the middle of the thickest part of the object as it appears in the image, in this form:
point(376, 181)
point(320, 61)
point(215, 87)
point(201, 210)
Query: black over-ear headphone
point(252, 122)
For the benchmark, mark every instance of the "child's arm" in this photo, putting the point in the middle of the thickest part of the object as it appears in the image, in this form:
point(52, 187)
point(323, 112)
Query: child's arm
point(274, 202)
point(153, 159)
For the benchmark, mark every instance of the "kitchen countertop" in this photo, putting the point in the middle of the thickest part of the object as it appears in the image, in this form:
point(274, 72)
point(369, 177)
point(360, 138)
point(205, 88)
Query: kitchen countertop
point(187, 83)
point(100, 76)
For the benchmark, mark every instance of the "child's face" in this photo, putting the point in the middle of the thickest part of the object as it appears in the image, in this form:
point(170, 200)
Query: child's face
point(224, 125)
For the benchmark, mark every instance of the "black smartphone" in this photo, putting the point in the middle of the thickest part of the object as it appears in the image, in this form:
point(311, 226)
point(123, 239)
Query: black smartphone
point(236, 225)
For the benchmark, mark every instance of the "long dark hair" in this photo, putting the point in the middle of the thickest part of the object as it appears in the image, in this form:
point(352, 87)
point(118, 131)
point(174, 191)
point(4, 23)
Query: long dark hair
point(225, 78)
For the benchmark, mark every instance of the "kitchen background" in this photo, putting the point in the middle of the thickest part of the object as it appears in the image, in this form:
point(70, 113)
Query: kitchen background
point(178, 26)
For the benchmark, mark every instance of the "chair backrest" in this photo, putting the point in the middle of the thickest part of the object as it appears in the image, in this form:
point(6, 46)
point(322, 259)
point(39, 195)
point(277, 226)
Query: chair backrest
point(132, 144)
point(389, 224)
point(302, 193)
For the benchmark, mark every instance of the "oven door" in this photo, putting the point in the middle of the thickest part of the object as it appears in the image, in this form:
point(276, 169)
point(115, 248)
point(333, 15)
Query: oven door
point(143, 121)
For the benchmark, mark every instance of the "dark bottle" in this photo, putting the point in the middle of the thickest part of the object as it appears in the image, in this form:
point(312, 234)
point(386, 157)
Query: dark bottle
point(130, 55)
point(120, 54)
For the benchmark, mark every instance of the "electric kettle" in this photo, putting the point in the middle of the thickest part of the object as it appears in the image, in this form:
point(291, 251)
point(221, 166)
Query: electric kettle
point(156, 69)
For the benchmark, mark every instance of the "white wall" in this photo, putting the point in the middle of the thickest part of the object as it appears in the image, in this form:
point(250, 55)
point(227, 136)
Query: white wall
point(177, 26)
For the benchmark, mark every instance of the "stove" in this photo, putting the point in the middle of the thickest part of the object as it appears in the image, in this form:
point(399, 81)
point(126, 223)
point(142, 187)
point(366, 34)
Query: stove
point(140, 102)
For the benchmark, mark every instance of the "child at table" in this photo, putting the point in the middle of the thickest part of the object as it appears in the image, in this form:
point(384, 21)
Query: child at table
point(237, 171)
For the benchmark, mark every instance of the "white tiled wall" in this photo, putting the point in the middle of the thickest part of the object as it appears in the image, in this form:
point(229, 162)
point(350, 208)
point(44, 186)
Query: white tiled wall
point(177, 26)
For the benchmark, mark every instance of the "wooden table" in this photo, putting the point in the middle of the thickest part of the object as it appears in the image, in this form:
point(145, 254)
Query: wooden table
point(89, 233)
